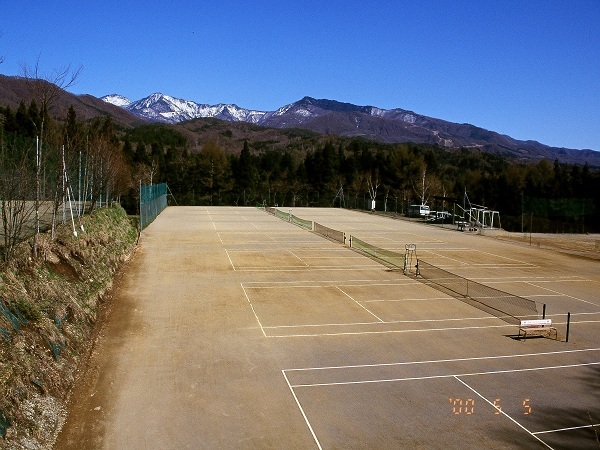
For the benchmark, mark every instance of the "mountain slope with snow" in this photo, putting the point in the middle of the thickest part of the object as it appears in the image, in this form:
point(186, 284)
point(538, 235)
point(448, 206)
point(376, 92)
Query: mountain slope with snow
point(346, 119)
point(164, 108)
point(117, 100)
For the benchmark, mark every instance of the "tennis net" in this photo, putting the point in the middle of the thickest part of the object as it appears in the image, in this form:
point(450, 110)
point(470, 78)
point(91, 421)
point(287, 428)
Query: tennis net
point(508, 307)
point(330, 233)
point(282, 215)
point(389, 258)
point(301, 222)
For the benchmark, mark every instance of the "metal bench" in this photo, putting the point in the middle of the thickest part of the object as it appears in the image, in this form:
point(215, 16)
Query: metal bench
point(537, 327)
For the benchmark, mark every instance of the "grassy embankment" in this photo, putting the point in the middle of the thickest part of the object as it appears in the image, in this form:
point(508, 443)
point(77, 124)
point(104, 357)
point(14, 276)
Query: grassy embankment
point(48, 308)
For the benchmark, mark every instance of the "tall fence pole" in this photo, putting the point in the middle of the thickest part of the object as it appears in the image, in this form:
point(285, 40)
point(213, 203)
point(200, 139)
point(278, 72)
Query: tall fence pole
point(568, 326)
point(140, 205)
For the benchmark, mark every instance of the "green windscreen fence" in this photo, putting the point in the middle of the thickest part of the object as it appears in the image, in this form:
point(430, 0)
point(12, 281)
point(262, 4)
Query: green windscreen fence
point(153, 199)
point(388, 258)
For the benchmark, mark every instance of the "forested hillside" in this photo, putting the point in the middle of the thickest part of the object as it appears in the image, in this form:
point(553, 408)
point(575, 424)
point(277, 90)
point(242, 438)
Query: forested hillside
point(211, 162)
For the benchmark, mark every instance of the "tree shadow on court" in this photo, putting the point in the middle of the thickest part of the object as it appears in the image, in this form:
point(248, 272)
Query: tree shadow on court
point(584, 421)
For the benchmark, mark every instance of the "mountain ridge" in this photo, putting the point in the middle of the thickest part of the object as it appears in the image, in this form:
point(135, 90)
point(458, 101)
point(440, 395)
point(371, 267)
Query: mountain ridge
point(327, 117)
point(370, 122)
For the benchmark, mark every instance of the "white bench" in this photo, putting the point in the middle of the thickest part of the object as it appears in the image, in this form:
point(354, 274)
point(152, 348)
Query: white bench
point(537, 327)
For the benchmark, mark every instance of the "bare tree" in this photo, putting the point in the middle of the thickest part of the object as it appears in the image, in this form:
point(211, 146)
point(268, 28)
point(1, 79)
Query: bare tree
point(373, 186)
point(16, 188)
point(45, 88)
point(428, 185)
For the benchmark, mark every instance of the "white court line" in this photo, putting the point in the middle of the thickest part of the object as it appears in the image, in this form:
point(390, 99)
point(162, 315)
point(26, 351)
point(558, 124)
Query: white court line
point(503, 257)
point(436, 361)
point(304, 268)
point(302, 411)
point(254, 312)
point(502, 412)
point(436, 377)
point(564, 295)
point(229, 258)
point(362, 306)
point(501, 266)
point(530, 279)
point(408, 299)
point(298, 258)
point(297, 286)
point(365, 333)
point(568, 429)
point(220, 239)
point(366, 282)
point(461, 319)
point(461, 262)
point(285, 248)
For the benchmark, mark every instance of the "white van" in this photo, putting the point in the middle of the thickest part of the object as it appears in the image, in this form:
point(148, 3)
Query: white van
point(418, 211)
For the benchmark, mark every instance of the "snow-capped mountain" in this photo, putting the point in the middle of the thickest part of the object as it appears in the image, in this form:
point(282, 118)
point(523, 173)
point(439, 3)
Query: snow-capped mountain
point(117, 100)
point(346, 119)
point(164, 108)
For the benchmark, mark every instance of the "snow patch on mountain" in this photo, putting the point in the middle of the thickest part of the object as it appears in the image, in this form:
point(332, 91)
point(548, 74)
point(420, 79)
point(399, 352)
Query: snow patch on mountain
point(117, 100)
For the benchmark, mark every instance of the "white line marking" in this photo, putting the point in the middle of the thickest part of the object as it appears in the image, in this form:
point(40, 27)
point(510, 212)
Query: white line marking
point(435, 361)
point(322, 283)
point(461, 319)
point(564, 295)
point(297, 257)
point(417, 330)
point(304, 269)
point(302, 411)
point(357, 333)
point(433, 377)
point(568, 428)
point(503, 413)
point(362, 306)
point(254, 312)
point(230, 261)
point(408, 299)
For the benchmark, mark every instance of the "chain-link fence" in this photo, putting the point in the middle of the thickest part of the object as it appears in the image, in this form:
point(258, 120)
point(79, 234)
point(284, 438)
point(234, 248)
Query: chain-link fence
point(153, 199)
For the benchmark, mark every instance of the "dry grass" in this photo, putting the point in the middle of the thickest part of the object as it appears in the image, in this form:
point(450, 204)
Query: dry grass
point(48, 311)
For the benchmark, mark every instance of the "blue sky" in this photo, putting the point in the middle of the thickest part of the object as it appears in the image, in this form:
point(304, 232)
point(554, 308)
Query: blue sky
point(527, 68)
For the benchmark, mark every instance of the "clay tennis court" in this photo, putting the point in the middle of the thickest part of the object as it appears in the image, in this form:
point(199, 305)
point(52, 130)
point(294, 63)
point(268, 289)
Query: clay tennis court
point(232, 328)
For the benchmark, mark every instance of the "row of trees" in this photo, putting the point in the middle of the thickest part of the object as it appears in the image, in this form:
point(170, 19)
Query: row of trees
point(70, 166)
point(52, 172)
point(352, 172)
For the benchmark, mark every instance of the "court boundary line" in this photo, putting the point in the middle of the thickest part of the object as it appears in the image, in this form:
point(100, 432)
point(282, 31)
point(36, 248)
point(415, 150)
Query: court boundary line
point(302, 411)
point(356, 333)
point(230, 261)
point(435, 377)
point(359, 304)
point(254, 311)
point(557, 430)
point(503, 412)
point(435, 361)
point(417, 330)
point(563, 295)
point(317, 325)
